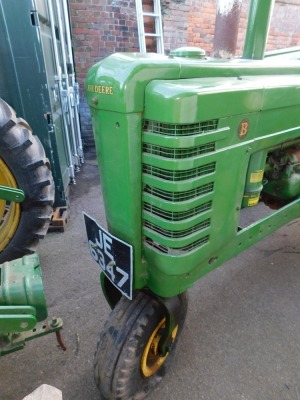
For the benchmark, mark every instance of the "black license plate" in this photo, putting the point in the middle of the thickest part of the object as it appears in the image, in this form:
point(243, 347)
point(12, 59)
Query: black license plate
point(112, 255)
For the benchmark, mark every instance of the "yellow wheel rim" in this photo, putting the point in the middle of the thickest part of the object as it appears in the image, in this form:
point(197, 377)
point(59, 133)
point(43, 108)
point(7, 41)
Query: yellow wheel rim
point(151, 361)
point(9, 211)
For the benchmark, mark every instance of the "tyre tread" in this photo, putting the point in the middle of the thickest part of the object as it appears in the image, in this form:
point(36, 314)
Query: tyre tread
point(24, 155)
point(115, 360)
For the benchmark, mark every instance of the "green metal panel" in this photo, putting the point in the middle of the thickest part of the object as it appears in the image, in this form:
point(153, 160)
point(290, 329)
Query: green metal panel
point(290, 53)
point(10, 194)
point(128, 74)
point(22, 304)
point(201, 100)
point(122, 200)
point(21, 285)
point(27, 79)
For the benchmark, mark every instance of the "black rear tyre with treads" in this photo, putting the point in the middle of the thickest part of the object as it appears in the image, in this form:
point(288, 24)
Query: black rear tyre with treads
point(23, 160)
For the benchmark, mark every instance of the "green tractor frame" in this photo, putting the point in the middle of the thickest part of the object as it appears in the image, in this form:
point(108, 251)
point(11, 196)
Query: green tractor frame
point(185, 144)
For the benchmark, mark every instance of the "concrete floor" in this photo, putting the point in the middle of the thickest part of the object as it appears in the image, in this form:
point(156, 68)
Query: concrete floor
point(240, 342)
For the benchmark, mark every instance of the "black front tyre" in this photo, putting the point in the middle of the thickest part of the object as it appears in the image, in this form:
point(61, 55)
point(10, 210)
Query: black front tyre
point(127, 365)
point(23, 165)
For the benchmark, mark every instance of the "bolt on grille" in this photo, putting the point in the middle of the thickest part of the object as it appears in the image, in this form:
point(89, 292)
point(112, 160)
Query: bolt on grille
point(177, 215)
point(178, 153)
point(177, 251)
point(180, 196)
point(177, 234)
point(172, 175)
point(180, 129)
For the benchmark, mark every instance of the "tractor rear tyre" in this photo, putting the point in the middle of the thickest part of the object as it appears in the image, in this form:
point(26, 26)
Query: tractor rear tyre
point(127, 365)
point(23, 165)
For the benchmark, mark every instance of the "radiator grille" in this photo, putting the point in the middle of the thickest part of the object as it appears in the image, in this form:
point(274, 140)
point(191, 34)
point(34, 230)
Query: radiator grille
point(180, 130)
point(174, 176)
point(186, 213)
point(177, 215)
point(178, 153)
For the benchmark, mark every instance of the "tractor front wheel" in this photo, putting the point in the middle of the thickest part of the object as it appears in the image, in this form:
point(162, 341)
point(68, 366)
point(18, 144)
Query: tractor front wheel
point(127, 363)
point(23, 165)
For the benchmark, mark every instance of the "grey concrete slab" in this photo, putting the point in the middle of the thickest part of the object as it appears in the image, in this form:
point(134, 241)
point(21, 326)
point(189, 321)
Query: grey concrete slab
point(240, 342)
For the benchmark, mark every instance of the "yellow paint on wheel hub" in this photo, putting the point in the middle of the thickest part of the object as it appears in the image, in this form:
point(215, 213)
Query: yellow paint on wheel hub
point(10, 212)
point(151, 361)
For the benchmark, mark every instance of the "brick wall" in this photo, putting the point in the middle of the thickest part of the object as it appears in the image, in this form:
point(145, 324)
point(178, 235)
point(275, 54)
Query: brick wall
point(284, 29)
point(99, 28)
point(202, 14)
point(201, 24)
point(102, 27)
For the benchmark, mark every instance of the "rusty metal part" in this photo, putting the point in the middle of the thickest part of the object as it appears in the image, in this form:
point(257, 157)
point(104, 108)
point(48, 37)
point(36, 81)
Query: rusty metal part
point(61, 344)
point(59, 219)
point(226, 28)
point(16, 341)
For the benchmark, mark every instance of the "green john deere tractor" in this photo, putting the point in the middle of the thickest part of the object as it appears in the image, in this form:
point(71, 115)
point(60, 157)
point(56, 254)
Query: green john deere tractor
point(26, 200)
point(184, 144)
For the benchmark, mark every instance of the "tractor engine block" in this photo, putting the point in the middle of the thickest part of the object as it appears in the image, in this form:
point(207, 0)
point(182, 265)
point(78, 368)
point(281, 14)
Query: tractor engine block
point(282, 177)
